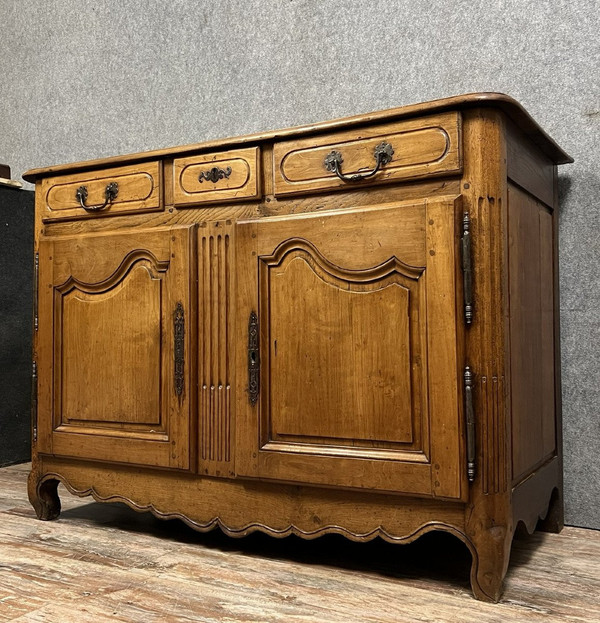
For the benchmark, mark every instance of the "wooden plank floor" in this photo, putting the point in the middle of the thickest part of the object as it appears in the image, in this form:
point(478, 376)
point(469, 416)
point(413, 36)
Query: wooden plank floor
point(105, 562)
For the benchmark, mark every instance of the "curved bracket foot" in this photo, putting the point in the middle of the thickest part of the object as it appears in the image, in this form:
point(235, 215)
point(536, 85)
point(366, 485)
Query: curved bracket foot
point(554, 521)
point(491, 554)
point(486, 587)
point(43, 496)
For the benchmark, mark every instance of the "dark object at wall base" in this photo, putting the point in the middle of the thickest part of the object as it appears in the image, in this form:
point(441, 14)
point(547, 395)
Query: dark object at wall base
point(16, 295)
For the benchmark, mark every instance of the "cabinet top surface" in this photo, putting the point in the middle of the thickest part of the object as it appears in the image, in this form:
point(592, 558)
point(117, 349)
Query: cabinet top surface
point(507, 104)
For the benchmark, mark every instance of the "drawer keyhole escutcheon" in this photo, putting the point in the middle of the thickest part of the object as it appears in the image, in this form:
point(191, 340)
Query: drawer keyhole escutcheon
point(110, 194)
point(383, 155)
point(214, 175)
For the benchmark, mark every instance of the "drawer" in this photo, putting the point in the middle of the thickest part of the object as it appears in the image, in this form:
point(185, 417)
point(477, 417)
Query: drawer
point(224, 176)
point(137, 188)
point(423, 147)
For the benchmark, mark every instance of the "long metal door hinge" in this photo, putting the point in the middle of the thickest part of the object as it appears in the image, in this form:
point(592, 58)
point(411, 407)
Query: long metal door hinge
point(470, 422)
point(253, 359)
point(36, 280)
point(467, 268)
point(34, 400)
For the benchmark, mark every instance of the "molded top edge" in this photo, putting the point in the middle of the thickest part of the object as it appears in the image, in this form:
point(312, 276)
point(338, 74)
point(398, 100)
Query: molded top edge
point(507, 104)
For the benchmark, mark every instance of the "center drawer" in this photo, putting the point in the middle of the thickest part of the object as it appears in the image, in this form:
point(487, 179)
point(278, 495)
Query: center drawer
point(414, 148)
point(216, 177)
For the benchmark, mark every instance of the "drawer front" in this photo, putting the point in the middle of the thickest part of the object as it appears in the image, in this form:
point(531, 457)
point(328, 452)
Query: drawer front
point(424, 147)
point(224, 176)
point(138, 189)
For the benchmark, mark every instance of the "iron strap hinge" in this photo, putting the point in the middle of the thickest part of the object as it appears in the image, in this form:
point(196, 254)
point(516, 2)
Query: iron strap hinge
point(465, 248)
point(470, 423)
point(34, 400)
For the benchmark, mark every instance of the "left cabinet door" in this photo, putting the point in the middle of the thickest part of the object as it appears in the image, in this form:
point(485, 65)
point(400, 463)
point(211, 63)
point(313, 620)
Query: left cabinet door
point(114, 356)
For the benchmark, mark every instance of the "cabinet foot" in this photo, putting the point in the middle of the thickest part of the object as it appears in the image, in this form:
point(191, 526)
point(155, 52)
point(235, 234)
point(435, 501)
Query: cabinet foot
point(491, 554)
point(554, 521)
point(43, 496)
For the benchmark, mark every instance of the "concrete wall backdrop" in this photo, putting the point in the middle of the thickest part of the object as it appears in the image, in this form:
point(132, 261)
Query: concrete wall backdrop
point(86, 79)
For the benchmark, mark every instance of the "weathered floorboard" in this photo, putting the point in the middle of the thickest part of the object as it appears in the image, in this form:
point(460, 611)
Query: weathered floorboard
point(108, 563)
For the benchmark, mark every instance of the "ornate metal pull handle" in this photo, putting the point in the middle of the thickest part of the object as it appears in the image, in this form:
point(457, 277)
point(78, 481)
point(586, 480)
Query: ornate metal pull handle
point(110, 193)
point(383, 154)
point(214, 175)
point(253, 359)
point(179, 349)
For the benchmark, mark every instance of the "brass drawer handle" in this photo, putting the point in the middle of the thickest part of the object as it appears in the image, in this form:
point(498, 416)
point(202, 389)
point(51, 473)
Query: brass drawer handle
point(383, 154)
point(110, 193)
point(214, 175)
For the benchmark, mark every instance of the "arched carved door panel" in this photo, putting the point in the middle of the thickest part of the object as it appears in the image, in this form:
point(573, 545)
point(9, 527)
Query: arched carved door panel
point(357, 345)
point(116, 376)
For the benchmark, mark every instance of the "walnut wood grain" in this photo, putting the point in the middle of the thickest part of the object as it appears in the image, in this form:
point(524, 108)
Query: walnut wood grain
point(359, 428)
point(238, 177)
point(526, 124)
point(484, 197)
point(215, 369)
point(532, 328)
point(139, 190)
point(327, 397)
point(528, 167)
point(423, 147)
point(105, 352)
point(85, 565)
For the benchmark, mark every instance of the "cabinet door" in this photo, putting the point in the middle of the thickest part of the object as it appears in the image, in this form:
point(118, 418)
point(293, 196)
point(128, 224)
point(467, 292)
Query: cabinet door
point(354, 348)
point(114, 346)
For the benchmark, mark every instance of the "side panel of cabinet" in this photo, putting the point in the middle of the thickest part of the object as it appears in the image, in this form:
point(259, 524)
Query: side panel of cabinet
point(115, 363)
point(356, 338)
point(530, 229)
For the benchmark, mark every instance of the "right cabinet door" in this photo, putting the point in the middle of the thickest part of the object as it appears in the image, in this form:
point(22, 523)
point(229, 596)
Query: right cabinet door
point(347, 326)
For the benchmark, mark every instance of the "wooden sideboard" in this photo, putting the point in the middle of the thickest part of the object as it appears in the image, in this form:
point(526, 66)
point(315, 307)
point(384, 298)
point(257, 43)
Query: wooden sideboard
point(350, 327)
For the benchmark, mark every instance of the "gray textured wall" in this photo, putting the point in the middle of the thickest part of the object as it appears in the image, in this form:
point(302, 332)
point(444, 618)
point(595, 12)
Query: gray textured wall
point(85, 79)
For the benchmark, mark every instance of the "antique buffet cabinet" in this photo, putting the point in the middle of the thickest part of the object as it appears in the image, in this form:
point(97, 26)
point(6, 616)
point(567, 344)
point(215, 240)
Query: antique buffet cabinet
point(349, 327)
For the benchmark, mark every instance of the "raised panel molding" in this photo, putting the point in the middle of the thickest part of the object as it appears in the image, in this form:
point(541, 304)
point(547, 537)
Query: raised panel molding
point(357, 348)
point(89, 319)
point(152, 264)
point(306, 296)
point(324, 268)
point(107, 373)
